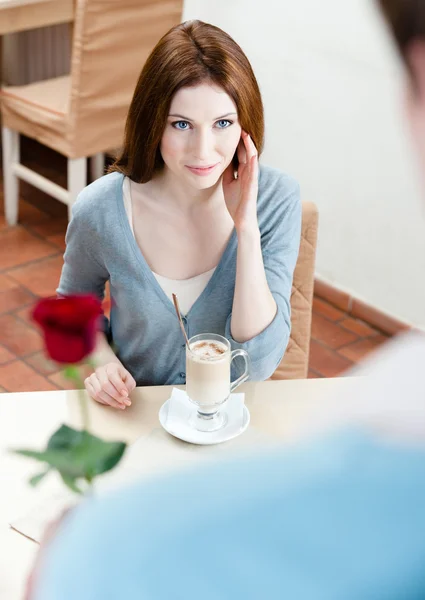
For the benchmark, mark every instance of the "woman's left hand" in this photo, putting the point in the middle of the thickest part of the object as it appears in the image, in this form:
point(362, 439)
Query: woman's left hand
point(240, 194)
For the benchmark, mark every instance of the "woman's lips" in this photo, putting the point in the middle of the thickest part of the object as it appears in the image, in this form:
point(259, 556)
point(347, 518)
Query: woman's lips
point(202, 171)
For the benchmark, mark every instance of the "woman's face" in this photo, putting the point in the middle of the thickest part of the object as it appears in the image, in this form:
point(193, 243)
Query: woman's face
point(201, 135)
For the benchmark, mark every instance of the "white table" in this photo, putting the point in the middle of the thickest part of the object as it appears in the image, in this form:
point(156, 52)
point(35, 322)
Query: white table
point(281, 411)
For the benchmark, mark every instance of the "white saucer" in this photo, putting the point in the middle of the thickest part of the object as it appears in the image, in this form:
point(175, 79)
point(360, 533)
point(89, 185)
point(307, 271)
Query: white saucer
point(182, 430)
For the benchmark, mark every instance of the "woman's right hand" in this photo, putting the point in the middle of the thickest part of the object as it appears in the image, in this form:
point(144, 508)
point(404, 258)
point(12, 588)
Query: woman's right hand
point(111, 384)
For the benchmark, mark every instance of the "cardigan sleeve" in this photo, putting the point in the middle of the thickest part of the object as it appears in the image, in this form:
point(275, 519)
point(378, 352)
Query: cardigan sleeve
point(280, 241)
point(83, 271)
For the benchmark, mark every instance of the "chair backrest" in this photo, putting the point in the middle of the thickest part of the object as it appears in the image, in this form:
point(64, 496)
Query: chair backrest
point(111, 42)
point(294, 364)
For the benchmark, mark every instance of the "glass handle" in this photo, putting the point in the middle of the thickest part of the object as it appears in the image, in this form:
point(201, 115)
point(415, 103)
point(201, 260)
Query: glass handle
point(245, 374)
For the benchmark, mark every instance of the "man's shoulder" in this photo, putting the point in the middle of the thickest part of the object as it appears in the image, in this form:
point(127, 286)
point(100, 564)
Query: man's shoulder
point(387, 391)
point(407, 351)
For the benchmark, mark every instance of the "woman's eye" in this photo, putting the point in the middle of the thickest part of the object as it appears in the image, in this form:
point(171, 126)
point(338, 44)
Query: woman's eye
point(182, 125)
point(223, 123)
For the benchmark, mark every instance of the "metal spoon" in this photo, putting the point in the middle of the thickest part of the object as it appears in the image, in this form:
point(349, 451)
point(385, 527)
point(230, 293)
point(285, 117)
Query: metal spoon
point(176, 306)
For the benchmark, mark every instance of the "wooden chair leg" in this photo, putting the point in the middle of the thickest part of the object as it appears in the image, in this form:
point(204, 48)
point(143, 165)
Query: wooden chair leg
point(97, 166)
point(77, 179)
point(10, 140)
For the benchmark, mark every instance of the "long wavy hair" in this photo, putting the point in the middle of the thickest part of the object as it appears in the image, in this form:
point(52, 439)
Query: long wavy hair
point(189, 54)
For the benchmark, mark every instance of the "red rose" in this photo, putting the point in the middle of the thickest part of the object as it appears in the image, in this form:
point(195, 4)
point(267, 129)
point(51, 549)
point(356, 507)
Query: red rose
point(69, 326)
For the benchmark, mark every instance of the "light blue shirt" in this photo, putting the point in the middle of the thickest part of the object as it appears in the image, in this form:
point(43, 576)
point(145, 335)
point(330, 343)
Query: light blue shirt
point(143, 324)
point(341, 518)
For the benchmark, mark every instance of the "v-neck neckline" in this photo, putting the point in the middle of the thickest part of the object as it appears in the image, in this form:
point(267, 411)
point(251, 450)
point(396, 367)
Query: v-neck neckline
point(147, 271)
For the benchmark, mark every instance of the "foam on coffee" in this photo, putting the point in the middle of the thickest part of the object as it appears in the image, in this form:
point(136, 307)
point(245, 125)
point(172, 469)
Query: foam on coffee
point(208, 349)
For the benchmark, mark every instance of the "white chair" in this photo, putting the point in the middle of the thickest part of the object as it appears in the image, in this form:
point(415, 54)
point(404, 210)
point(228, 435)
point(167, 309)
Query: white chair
point(83, 114)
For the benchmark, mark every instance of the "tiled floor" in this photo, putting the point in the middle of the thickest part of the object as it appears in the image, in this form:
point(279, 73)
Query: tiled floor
point(338, 341)
point(30, 264)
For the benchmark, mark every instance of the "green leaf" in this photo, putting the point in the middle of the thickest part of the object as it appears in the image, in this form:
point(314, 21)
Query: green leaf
point(78, 454)
point(31, 454)
point(98, 456)
point(65, 437)
point(57, 459)
point(35, 480)
point(70, 482)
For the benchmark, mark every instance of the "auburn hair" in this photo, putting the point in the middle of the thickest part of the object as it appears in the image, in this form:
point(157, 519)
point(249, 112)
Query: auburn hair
point(189, 54)
point(406, 19)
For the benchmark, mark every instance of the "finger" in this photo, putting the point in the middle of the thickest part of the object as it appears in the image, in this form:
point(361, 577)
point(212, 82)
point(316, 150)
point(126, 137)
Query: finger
point(89, 388)
point(106, 386)
point(107, 399)
point(105, 375)
point(128, 379)
point(241, 150)
point(130, 383)
point(91, 392)
point(110, 390)
point(253, 168)
point(242, 157)
point(119, 384)
point(101, 396)
point(228, 175)
point(250, 148)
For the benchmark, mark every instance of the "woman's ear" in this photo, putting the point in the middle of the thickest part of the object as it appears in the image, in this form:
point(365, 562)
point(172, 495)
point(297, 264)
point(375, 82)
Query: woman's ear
point(415, 58)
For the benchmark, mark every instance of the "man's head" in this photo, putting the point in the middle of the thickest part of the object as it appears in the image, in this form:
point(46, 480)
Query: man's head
point(406, 19)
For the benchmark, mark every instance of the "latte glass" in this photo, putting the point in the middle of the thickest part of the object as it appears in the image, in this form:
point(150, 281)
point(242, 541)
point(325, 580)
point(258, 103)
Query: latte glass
point(208, 382)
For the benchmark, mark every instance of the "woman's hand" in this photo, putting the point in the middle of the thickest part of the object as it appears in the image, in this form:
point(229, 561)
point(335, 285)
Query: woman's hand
point(240, 194)
point(111, 384)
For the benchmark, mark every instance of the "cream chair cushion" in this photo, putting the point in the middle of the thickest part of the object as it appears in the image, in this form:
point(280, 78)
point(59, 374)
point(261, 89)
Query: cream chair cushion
point(294, 364)
point(39, 110)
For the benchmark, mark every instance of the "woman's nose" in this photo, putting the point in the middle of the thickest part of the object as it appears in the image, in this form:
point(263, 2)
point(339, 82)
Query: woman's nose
point(202, 145)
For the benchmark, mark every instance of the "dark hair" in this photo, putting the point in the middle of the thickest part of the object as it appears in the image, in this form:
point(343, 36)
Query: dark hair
point(406, 19)
point(189, 54)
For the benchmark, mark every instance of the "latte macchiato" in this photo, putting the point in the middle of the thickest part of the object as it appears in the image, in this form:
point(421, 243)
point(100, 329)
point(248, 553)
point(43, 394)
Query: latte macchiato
point(208, 383)
point(208, 373)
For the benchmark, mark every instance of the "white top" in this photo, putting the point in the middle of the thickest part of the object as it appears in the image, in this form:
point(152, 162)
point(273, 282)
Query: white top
point(186, 290)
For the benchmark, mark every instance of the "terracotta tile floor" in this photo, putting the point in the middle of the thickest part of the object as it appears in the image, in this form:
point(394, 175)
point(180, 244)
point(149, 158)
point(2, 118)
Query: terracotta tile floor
point(338, 341)
point(30, 264)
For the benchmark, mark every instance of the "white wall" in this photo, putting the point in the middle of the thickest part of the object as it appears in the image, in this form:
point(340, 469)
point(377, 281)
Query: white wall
point(331, 85)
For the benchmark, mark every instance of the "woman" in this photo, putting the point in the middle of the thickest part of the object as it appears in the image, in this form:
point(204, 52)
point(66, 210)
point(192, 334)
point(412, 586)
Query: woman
point(186, 209)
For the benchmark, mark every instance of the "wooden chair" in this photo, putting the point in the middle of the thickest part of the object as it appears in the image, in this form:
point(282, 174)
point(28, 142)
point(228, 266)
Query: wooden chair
point(83, 114)
point(294, 364)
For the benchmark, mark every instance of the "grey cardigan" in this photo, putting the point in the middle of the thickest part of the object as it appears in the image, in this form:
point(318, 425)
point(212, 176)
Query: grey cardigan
point(143, 325)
